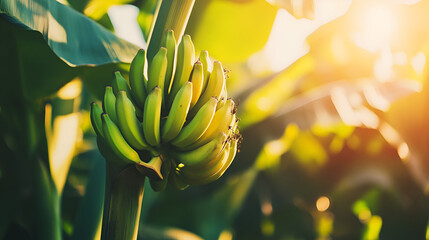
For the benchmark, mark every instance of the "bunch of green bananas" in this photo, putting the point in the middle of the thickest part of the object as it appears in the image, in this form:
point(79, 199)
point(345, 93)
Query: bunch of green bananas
point(177, 126)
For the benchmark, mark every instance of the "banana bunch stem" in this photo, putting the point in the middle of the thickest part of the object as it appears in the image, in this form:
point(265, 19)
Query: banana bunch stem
point(122, 205)
point(172, 15)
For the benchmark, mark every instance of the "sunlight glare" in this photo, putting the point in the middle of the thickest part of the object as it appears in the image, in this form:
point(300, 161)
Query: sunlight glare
point(403, 151)
point(56, 32)
point(322, 203)
point(383, 66)
point(124, 21)
point(267, 208)
point(62, 146)
point(275, 147)
point(377, 25)
point(418, 62)
point(283, 48)
point(390, 134)
point(263, 104)
point(400, 58)
point(70, 90)
point(343, 106)
point(225, 235)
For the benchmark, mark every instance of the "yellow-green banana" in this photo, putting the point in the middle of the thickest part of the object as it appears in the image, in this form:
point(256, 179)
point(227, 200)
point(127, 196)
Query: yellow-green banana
point(97, 124)
point(201, 156)
point(218, 174)
point(109, 103)
point(205, 60)
point(157, 70)
point(169, 43)
point(214, 87)
point(193, 177)
point(185, 61)
point(178, 112)
point(223, 121)
point(138, 81)
point(197, 126)
point(151, 117)
point(222, 98)
point(197, 79)
point(116, 141)
point(128, 122)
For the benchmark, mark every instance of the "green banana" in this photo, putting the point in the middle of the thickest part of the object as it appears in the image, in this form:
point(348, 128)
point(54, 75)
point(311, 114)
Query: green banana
point(151, 117)
point(201, 156)
point(178, 112)
point(109, 103)
point(214, 87)
point(199, 136)
point(197, 126)
point(185, 61)
point(193, 177)
point(197, 79)
point(120, 84)
point(217, 175)
point(128, 122)
point(205, 60)
point(157, 70)
point(97, 124)
point(223, 120)
point(138, 80)
point(116, 141)
point(169, 43)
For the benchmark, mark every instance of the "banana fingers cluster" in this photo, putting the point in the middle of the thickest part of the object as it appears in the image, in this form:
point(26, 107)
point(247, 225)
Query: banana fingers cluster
point(177, 125)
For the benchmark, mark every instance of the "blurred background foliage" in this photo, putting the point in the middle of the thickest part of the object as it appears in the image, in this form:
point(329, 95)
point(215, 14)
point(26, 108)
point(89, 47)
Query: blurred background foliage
point(333, 105)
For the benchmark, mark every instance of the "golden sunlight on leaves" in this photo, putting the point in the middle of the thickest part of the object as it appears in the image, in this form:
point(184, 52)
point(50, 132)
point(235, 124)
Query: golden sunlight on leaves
point(70, 90)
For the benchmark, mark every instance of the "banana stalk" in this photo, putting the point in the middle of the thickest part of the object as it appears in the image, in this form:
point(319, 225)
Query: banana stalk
point(122, 205)
point(172, 15)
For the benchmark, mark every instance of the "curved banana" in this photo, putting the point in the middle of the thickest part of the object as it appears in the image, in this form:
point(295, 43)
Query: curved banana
point(223, 121)
point(97, 124)
point(185, 61)
point(151, 117)
point(197, 79)
point(178, 112)
point(217, 175)
point(128, 122)
point(222, 98)
point(120, 84)
point(214, 87)
point(169, 43)
point(195, 177)
point(116, 141)
point(197, 126)
point(157, 70)
point(205, 60)
point(138, 80)
point(109, 102)
point(201, 156)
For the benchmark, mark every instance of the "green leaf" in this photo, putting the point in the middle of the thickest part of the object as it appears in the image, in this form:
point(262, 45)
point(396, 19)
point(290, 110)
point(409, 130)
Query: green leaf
point(73, 37)
point(89, 216)
point(231, 31)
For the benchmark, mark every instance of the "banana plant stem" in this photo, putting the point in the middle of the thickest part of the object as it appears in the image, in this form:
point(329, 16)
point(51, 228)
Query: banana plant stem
point(172, 14)
point(124, 194)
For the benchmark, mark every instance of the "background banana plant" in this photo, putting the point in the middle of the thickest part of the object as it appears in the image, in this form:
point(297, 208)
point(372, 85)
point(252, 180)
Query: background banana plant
point(333, 107)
